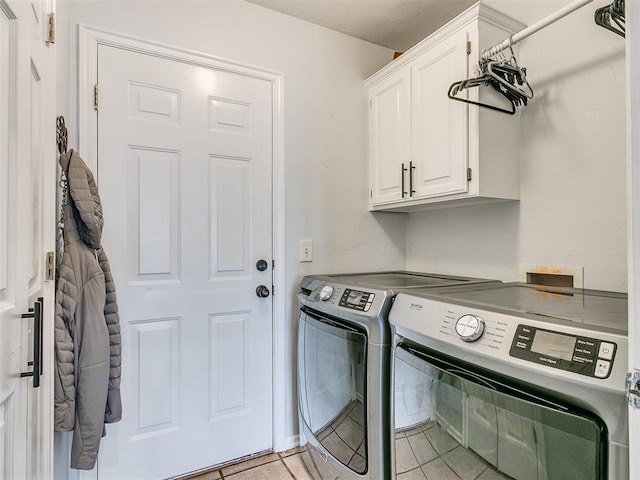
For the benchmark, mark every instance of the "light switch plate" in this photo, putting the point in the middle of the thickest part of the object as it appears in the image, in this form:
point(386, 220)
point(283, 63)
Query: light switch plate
point(306, 250)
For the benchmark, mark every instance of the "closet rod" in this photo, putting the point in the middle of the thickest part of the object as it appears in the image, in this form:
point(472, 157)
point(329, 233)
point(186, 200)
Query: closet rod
point(530, 30)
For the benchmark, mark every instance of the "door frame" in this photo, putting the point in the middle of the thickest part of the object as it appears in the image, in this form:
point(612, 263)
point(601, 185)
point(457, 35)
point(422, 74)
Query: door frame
point(89, 38)
point(633, 215)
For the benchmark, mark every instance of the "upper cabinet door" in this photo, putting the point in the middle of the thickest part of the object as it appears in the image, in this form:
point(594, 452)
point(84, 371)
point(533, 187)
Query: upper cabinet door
point(390, 138)
point(440, 126)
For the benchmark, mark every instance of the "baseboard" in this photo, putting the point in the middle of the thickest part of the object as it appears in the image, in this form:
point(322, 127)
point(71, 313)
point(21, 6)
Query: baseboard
point(289, 443)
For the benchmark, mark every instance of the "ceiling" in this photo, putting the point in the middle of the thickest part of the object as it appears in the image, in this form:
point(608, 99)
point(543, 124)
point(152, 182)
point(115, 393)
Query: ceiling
point(395, 24)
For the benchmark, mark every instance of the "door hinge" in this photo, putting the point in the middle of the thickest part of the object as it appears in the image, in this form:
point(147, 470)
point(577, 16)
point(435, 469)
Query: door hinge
point(273, 264)
point(632, 387)
point(95, 97)
point(52, 28)
point(50, 266)
point(468, 48)
point(469, 175)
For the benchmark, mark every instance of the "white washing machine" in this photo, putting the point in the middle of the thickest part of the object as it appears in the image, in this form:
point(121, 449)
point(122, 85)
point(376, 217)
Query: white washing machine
point(518, 382)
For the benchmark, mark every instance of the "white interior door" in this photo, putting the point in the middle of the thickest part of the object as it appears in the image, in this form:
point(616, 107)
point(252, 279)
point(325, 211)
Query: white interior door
point(13, 295)
point(184, 171)
point(27, 213)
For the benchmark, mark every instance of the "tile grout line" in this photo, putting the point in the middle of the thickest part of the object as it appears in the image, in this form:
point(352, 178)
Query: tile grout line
point(286, 466)
point(252, 468)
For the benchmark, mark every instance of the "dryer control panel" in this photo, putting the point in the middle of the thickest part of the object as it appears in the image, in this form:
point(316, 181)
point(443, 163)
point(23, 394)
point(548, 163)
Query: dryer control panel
point(573, 353)
point(357, 299)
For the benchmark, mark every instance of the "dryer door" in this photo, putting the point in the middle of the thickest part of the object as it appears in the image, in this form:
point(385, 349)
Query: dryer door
point(473, 424)
point(332, 358)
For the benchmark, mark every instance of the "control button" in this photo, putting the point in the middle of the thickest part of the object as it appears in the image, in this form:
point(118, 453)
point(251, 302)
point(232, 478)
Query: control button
point(584, 351)
point(469, 327)
point(326, 292)
point(554, 362)
point(602, 368)
point(585, 360)
point(606, 350)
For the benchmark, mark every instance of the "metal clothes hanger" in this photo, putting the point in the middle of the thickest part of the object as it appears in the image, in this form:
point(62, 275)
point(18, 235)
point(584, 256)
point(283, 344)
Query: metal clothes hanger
point(458, 87)
point(511, 76)
point(505, 76)
point(603, 16)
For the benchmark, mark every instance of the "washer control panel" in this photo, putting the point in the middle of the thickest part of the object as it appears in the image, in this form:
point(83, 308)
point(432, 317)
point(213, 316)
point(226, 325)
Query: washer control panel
point(573, 353)
point(356, 299)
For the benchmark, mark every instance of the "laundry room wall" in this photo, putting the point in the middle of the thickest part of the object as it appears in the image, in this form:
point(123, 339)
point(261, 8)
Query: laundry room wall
point(325, 124)
point(572, 210)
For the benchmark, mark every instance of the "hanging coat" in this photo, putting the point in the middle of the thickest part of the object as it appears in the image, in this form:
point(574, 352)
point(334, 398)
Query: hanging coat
point(87, 325)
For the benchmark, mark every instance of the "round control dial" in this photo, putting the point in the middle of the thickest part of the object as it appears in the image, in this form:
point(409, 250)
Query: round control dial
point(325, 292)
point(469, 327)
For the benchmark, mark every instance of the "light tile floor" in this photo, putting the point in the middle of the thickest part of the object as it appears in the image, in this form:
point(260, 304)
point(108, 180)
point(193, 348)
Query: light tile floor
point(428, 452)
point(272, 466)
point(425, 452)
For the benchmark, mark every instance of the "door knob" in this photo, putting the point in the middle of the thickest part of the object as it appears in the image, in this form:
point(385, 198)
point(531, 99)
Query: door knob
point(262, 291)
point(261, 265)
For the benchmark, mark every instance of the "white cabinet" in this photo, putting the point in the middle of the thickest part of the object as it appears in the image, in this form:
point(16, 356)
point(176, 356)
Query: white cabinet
point(428, 151)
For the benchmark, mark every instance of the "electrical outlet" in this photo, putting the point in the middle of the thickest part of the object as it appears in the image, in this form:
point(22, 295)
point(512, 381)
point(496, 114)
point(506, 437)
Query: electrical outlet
point(306, 250)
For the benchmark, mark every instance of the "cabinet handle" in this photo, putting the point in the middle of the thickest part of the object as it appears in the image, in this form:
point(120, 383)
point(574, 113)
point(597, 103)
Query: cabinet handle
point(36, 314)
point(411, 169)
point(402, 170)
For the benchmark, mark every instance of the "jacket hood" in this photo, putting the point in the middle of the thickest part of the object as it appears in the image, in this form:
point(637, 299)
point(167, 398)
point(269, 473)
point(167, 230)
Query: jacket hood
point(83, 198)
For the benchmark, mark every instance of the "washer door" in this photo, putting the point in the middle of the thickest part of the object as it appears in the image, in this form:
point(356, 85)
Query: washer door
point(332, 358)
point(474, 425)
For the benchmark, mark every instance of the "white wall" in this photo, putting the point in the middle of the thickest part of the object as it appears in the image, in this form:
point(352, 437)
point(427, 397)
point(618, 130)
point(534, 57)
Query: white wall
point(573, 202)
point(325, 123)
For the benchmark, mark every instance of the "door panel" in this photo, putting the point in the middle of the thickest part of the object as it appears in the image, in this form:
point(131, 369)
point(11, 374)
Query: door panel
point(157, 376)
point(184, 170)
point(153, 214)
point(35, 184)
point(440, 150)
point(6, 45)
point(390, 138)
